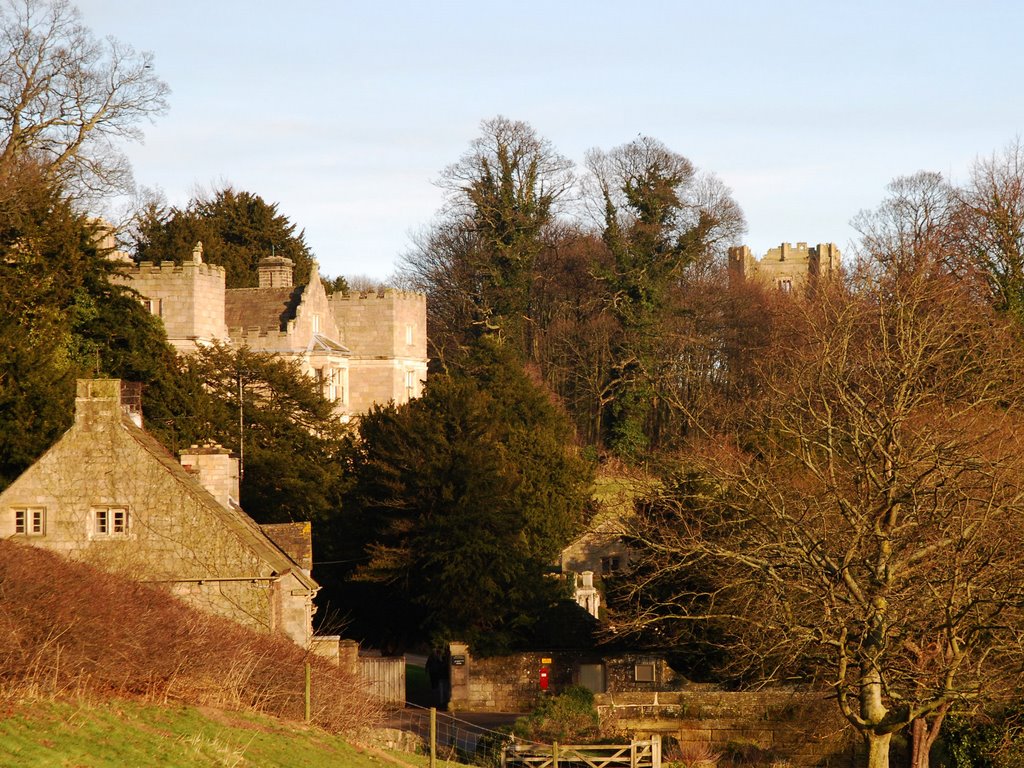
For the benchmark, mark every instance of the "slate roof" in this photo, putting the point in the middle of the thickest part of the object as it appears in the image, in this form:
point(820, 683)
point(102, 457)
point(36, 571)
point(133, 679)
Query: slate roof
point(267, 308)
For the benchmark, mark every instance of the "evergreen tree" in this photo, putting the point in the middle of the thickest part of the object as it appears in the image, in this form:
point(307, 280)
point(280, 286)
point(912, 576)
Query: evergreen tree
point(237, 229)
point(461, 501)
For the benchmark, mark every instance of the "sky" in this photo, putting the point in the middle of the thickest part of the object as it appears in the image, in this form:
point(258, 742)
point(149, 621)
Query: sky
point(345, 113)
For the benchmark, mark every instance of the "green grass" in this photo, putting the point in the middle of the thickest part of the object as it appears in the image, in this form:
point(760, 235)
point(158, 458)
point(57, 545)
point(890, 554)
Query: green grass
point(121, 734)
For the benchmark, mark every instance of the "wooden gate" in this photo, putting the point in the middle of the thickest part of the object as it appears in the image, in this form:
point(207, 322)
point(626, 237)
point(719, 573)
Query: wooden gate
point(636, 754)
point(384, 677)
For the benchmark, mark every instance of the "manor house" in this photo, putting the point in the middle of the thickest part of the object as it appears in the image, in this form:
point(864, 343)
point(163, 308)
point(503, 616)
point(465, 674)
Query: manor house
point(362, 349)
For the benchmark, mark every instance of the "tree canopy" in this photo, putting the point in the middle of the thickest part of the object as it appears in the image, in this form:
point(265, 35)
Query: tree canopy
point(461, 499)
point(236, 228)
point(859, 526)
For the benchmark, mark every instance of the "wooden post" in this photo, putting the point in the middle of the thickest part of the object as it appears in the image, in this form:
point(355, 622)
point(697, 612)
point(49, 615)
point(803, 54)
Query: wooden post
point(309, 698)
point(632, 753)
point(554, 755)
point(433, 737)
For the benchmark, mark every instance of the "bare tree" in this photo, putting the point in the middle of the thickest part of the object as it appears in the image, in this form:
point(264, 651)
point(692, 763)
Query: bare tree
point(67, 98)
point(989, 226)
point(861, 527)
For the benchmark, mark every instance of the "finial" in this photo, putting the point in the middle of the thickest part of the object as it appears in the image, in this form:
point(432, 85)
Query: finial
point(197, 253)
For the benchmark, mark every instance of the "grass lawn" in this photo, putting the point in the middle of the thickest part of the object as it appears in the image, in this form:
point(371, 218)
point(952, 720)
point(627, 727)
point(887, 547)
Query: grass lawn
point(120, 734)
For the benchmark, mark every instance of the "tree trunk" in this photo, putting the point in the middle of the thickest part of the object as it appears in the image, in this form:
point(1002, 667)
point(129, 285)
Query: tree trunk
point(923, 736)
point(878, 749)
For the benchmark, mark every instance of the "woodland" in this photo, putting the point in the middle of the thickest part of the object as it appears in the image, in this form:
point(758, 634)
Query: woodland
point(832, 482)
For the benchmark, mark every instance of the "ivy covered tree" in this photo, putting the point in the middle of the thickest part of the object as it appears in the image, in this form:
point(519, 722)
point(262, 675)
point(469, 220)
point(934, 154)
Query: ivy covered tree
point(460, 502)
point(663, 226)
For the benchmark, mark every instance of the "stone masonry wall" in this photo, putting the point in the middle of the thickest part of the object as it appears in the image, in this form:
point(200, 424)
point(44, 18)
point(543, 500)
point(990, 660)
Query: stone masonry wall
point(173, 537)
point(512, 683)
point(189, 296)
point(800, 728)
point(787, 267)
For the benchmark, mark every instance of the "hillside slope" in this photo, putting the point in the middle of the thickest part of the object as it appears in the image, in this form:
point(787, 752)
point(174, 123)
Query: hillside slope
point(67, 629)
point(122, 734)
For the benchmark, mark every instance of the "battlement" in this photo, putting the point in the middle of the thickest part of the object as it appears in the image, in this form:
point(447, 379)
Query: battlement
point(387, 295)
point(172, 268)
point(787, 267)
point(256, 332)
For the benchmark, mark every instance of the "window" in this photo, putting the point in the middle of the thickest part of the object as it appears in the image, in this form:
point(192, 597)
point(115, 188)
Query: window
point(609, 565)
point(786, 286)
point(408, 335)
point(30, 521)
point(410, 385)
point(316, 323)
point(644, 673)
point(110, 521)
point(153, 306)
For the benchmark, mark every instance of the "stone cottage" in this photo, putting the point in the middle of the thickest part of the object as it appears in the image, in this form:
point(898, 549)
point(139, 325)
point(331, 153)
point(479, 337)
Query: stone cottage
point(109, 494)
point(362, 349)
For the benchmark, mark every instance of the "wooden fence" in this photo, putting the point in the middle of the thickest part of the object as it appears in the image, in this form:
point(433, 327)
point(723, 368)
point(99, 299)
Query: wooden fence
point(636, 754)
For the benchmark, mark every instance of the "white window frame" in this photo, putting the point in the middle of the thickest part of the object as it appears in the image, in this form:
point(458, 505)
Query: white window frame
point(154, 306)
point(110, 522)
point(645, 672)
point(30, 521)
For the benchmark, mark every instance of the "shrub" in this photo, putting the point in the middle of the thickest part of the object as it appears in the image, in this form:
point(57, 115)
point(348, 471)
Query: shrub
point(69, 628)
point(567, 717)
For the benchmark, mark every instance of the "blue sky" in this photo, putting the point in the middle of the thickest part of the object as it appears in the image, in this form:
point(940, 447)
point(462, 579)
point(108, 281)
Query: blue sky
point(345, 113)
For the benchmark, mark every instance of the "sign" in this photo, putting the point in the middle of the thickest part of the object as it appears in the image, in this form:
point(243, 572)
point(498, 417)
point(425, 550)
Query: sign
point(458, 661)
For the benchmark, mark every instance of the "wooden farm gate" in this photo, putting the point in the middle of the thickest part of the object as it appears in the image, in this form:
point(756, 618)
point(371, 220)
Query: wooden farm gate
point(636, 754)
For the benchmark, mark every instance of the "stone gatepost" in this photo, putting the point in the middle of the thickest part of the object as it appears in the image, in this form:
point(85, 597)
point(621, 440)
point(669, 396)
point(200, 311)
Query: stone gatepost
point(348, 656)
point(459, 664)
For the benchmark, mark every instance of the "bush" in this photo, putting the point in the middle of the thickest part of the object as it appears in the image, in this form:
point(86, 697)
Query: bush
point(568, 717)
point(70, 629)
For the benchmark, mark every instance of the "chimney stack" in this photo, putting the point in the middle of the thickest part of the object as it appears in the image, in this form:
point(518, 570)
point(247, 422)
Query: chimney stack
point(275, 272)
point(217, 471)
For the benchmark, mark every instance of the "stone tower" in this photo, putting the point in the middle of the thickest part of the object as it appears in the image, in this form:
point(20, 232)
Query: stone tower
point(789, 268)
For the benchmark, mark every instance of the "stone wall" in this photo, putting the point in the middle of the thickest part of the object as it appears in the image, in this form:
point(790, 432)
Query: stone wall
point(512, 683)
point(789, 268)
point(801, 728)
point(174, 534)
point(387, 336)
point(188, 298)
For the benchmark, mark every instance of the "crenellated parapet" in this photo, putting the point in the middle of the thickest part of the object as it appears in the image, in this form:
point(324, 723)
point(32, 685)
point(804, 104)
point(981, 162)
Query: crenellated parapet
point(187, 297)
point(789, 268)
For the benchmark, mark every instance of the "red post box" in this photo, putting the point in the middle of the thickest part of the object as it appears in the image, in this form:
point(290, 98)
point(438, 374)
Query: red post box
point(543, 678)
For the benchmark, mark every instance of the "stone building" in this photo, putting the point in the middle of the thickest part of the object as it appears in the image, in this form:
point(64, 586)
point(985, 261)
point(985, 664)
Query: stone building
point(363, 349)
point(789, 268)
point(109, 494)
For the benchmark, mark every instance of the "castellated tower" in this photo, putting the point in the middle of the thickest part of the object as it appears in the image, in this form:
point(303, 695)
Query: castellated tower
point(387, 336)
point(189, 298)
point(789, 268)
